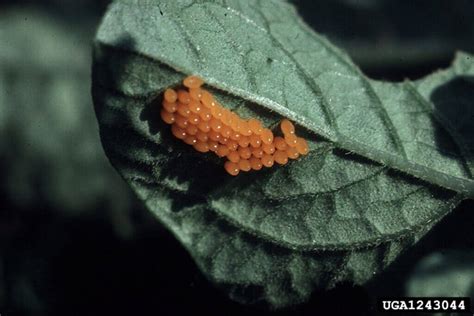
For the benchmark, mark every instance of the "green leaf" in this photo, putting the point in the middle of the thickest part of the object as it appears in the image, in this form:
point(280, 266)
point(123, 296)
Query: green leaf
point(343, 212)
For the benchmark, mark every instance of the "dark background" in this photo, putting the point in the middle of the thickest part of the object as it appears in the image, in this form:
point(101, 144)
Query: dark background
point(73, 238)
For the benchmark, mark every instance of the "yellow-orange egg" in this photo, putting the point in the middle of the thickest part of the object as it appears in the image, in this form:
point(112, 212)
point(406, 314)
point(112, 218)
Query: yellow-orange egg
point(184, 97)
point(193, 118)
point(233, 156)
point(202, 147)
point(235, 136)
point(190, 139)
point(244, 165)
point(217, 112)
point(170, 106)
point(255, 141)
point(291, 139)
point(267, 160)
point(205, 114)
point(191, 129)
point(178, 132)
point(226, 131)
point(183, 110)
point(281, 157)
point(224, 140)
point(195, 93)
point(222, 151)
point(232, 145)
point(255, 163)
point(292, 153)
point(302, 146)
point(226, 117)
point(204, 126)
point(244, 141)
point(193, 82)
point(268, 148)
point(232, 168)
point(215, 136)
point(207, 99)
point(213, 145)
point(181, 121)
point(257, 152)
point(267, 136)
point(170, 95)
point(202, 137)
point(280, 143)
point(235, 122)
point(244, 152)
point(216, 125)
point(287, 127)
point(244, 128)
point(256, 126)
point(167, 117)
point(195, 106)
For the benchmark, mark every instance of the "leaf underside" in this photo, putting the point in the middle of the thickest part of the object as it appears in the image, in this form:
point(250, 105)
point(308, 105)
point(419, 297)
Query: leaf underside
point(387, 160)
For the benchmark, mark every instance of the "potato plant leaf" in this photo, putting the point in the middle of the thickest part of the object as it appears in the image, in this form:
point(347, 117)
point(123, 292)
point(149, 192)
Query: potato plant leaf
point(387, 161)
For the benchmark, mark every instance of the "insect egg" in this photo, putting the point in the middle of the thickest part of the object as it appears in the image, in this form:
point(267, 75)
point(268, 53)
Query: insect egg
point(280, 143)
point(233, 156)
point(183, 110)
point(287, 127)
point(222, 151)
point(195, 106)
point(244, 152)
point(244, 141)
point(257, 152)
point(205, 114)
point(191, 129)
point(302, 146)
point(202, 137)
point(178, 132)
point(267, 160)
point(255, 126)
point(195, 93)
point(292, 153)
point(226, 131)
point(184, 97)
point(202, 147)
point(167, 117)
point(170, 106)
point(190, 139)
point(181, 121)
point(193, 82)
point(232, 145)
point(194, 118)
point(268, 148)
point(170, 96)
point(232, 168)
point(216, 125)
point(213, 145)
point(244, 165)
point(215, 136)
point(255, 163)
point(291, 139)
point(280, 157)
point(200, 121)
point(267, 136)
point(204, 126)
point(255, 141)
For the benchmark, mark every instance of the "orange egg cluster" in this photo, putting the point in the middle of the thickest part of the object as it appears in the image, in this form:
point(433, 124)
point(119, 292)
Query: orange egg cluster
point(200, 121)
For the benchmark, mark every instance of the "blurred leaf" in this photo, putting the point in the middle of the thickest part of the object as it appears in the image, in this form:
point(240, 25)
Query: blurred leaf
point(50, 152)
point(332, 216)
point(446, 273)
point(389, 35)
